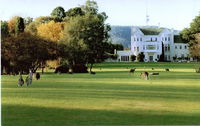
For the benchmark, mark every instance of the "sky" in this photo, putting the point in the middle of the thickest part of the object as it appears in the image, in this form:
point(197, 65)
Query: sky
point(176, 14)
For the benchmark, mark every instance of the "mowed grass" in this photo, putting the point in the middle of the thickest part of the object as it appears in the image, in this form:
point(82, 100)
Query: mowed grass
point(111, 97)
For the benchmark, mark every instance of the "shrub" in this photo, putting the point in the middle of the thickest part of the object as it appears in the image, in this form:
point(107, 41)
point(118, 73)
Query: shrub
point(62, 69)
point(79, 68)
point(133, 57)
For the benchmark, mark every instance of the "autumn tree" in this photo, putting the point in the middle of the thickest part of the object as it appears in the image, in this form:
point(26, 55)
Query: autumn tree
point(26, 51)
point(51, 30)
point(11, 25)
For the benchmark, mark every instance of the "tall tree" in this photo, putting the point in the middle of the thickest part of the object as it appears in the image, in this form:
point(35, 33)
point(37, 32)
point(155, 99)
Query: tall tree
point(58, 12)
point(84, 36)
point(4, 29)
point(190, 34)
point(19, 27)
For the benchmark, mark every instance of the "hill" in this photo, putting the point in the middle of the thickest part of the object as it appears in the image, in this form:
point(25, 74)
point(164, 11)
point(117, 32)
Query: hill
point(121, 35)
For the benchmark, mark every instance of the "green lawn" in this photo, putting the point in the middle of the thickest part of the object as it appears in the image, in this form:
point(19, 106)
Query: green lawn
point(111, 97)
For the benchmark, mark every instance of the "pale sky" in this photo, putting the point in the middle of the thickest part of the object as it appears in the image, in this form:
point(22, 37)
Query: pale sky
point(176, 14)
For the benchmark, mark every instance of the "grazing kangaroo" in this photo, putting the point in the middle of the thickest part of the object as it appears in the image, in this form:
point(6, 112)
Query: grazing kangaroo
point(132, 70)
point(145, 75)
point(167, 69)
point(20, 81)
point(37, 76)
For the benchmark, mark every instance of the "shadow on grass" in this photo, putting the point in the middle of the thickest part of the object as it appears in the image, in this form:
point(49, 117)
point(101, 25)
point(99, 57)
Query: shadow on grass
point(39, 116)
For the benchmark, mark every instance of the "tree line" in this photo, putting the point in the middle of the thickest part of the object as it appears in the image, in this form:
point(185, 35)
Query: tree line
point(77, 37)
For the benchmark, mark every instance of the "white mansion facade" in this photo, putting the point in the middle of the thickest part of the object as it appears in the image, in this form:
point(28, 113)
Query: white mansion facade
point(149, 39)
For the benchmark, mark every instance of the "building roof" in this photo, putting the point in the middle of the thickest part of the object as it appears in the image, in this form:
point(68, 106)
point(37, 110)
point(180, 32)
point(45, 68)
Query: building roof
point(178, 39)
point(125, 53)
point(151, 31)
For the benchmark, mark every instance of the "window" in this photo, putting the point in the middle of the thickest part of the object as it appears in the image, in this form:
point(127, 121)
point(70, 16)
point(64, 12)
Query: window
point(168, 38)
point(151, 39)
point(151, 47)
point(140, 39)
point(168, 48)
point(134, 48)
point(165, 48)
point(137, 39)
point(180, 47)
point(169, 57)
point(138, 49)
point(124, 58)
point(158, 57)
point(185, 47)
point(175, 47)
point(155, 39)
point(165, 38)
point(143, 47)
point(157, 47)
point(182, 55)
point(134, 39)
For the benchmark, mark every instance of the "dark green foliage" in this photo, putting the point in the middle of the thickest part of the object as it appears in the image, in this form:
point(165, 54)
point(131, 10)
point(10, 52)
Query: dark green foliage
point(85, 37)
point(58, 12)
point(121, 35)
point(133, 57)
point(19, 27)
point(73, 12)
point(4, 29)
point(140, 57)
point(62, 69)
point(188, 34)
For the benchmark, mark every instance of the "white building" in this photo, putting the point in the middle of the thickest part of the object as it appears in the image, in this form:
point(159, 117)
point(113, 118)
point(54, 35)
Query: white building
point(149, 40)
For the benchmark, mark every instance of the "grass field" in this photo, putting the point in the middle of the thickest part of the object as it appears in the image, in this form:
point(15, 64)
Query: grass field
point(111, 97)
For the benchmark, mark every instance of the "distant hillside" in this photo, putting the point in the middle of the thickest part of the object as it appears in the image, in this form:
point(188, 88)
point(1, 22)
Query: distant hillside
point(121, 35)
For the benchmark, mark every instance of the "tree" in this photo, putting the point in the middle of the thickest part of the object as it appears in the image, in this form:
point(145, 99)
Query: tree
point(133, 57)
point(28, 20)
point(26, 51)
point(51, 30)
point(4, 29)
point(11, 25)
point(19, 26)
point(84, 37)
point(195, 49)
point(190, 35)
point(32, 28)
point(58, 12)
point(140, 57)
point(73, 12)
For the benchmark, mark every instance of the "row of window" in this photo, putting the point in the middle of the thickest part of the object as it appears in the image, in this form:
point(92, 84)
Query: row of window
point(124, 58)
point(180, 47)
point(165, 38)
point(151, 39)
